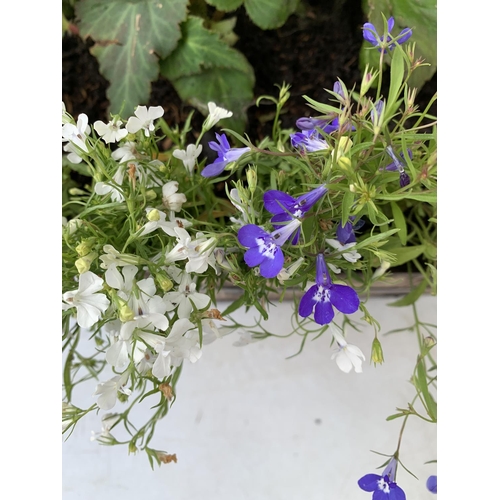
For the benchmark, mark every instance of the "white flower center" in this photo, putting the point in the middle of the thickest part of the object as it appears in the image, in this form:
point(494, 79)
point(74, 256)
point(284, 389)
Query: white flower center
point(383, 485)
point(322, 294)
point(266, 248)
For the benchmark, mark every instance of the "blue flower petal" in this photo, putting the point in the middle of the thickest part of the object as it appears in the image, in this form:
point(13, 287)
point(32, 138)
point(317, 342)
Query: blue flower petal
point(432, 484)
point(253, 257)
point(390, 24)
point(323, 313)
point(278, 202)
point(307, 302)
point(380, 495)
point(369, 482)
point(270, 268)
point(214, 169)
point(396, 493)
point(405, 35)
point(344, 298)
point(247, 235)
point(369, 33)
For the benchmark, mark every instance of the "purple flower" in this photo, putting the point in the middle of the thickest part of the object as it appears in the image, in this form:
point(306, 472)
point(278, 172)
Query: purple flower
point(264, 249)
point(308, 140)
point(376, 112)
point(404, 178)
point(383, 487)
point(345, 234)
point(432, 484)
point(226, 155)
point(323, 295)
point(370, 35)
point(286, 207)
point(337, 88)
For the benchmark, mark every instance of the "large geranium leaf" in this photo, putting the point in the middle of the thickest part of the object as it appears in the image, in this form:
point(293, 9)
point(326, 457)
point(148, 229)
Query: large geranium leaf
point(270, 14)
point(203, 68)
point(200, 49)
point(130, 36)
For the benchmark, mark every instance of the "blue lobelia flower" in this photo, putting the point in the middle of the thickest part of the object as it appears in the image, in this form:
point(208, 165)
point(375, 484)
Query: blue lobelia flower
point(370, 35)
point(286, 207)
point(432, 484)
point(345, 234)
point(226, 154)
point(308, 140)
point(404, 178)
point(383, 487)
point(323, 295)
point(264, 249)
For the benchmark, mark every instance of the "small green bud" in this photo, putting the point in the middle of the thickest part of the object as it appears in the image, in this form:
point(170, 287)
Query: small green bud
point(74, 191)
point(377, 353)
point(344, 163)
point(153, 215)
point(429, 342)
point(132, 448)
point(164, 281)
point(150, 195)
point(124, 312)
point(252, 179)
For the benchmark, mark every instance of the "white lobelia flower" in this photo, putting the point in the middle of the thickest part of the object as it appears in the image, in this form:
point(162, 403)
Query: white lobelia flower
point(172, 200)
point(185, 295)
point(110, 132)
point(199, 252)
point(286, 273)
point(77, 134)
point(108, 391)
point(235, 199)
point(89, 304)
point(118, 354)
point(188, 156)
point(245, 338)
point(346, 355)
point(113, 256)
point(161, 223)
point(349, 255)
point(125, 153)
point(108, 420)
point(103, 188)
point(215, 114)
point(143, 119)
point(66, 117)
point(181, 343)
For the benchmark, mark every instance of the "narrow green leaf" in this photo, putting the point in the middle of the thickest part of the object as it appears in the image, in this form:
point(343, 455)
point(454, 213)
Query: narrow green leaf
point(428, 196)
point(405, 254)
point(234, 306)
point(422, 386)
point(347, 204)
point(396, 415)
point(400, 222)
point(411, 297)
point(372, 239)
point(397, 73)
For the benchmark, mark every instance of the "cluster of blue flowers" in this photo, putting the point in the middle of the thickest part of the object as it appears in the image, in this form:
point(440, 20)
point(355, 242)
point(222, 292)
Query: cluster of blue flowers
point(264, 250)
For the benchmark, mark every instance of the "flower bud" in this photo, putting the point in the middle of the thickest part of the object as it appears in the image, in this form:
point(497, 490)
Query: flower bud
point(83, 263)
point(429, 342)
point(344, 163)
point(368, 80)
point(74, 191)
point(150, 195)
point(153, 215)
point(132, 448)
point(124, 312)
point(85, 246)
point(377, 353)
point(252, 179)
point(164, 282)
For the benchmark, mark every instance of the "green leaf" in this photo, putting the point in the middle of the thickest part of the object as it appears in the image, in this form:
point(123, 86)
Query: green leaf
point(428, 196)
point(225, 5)
point(347, 204)
point(397, 73)
point(405, 254)
point(400, 222)
point(130, 36)
point(411, 297)
point(200, 50)
point(270, 14)
point(203, 68)
point(423, 387)
point(234, 306)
